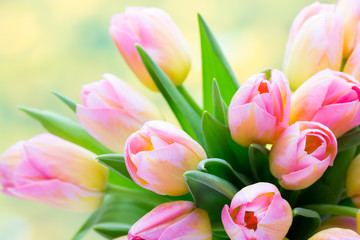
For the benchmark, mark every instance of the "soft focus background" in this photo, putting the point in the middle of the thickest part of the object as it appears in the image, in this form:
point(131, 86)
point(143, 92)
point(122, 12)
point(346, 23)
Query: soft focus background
point(62, 44)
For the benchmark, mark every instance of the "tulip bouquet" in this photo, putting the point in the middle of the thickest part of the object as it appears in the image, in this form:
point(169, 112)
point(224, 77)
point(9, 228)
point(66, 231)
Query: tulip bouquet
point(255, 161)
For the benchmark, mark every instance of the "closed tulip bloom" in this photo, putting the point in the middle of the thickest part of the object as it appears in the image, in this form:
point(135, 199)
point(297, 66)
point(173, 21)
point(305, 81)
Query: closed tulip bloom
point(257, 212)
point(260, 109)
point(159, 154)
point(315, 43)
point(349, 10)
point(173, 220)
point(301, 154)
point(329, 97)
point(155, 31)
point(352, 66)
point(112, 110)
point(339, 222)
point(336, 234)
point(353, 181)
point(53, 171)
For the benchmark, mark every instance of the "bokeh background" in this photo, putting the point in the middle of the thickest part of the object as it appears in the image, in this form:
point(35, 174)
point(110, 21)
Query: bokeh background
point(62, 44)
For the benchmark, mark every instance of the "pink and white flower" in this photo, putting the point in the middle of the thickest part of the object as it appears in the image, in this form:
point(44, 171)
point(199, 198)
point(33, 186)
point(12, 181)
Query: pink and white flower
point(53, 171)
point(158, 155)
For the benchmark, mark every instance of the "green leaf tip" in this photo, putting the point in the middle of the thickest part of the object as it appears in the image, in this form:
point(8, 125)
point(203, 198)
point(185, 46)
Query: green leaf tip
point(69, 102)
point(267, 72)
point(214, 65)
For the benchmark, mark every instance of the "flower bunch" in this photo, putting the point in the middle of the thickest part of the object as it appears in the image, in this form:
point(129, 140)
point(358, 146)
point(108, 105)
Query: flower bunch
point(257, 161)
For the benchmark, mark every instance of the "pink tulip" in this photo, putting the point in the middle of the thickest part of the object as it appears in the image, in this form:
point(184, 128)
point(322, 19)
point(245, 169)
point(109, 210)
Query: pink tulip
point(159, 154)
point(329, 97)
point(301, 154)
point(336, 234)
point(173, 220)
point(53, 171)
point(155, 31)
point(257, 212)
point(352, 66)
point(315, 43)
point(349, 10)
point(112, 110)
point(338, 222)
point(260, 109)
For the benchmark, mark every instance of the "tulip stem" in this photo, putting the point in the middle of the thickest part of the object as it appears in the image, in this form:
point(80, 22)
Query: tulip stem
point(189, 99)
point(333, 209)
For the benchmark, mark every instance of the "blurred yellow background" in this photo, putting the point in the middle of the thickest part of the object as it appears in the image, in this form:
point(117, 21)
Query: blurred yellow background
point(62, 44)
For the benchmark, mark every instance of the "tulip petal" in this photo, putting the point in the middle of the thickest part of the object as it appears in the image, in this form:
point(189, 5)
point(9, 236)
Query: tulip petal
point(175, 158)
point(251, 124)
point(345, 112)
point(194, 226)
point(109, 126)
point(154, 223)
point(305, 177)
point(278, 217)
point(60, 194)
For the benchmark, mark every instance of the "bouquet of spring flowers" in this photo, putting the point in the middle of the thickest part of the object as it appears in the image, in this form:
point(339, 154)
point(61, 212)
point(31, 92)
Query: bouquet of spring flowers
point(255, 161)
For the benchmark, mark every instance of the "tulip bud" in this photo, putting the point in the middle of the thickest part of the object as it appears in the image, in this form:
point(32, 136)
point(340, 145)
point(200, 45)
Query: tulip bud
point(353, 181)
point(349, 10)
point(260, 109)
point(315, 43)
point(329, 97)
point(173, 220)
point(336, 234)
point(257, 212)
point(338, 222)
point(159, 154)
point(155, 31)
point(53, 171)
point(301, 154)
point(112, 110)
point(352, 66)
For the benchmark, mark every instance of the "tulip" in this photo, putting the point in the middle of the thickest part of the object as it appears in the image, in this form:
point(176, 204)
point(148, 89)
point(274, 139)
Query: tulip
point(112, 110)
point(257, 212)
point(353, 181)
point(173, 220)
point(155, 31)
point(349, 10)
point(329, 97)
point(315, 43)
point(53, 171)
point(335, 234)
point(352, 65)
point(159, 154)
point(301, 154)
point(338, 222)
point(260, 109)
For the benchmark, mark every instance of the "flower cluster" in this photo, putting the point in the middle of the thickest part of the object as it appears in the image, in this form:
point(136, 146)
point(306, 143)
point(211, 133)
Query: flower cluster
point(239, 165)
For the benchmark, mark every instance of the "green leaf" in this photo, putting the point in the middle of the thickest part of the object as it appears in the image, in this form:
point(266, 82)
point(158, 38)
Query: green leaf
point(115, 162)
point(214, 65)
point(210, 192)
point(69, 102)
point(223, 169)
point(329, 187)
point(219, 231)
point(349, 140)
point(189, 119)
point(218, 143)
point(121, 208)
point(220, 108)
point(304, 224)
point(66, 129)
point(259, 164)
